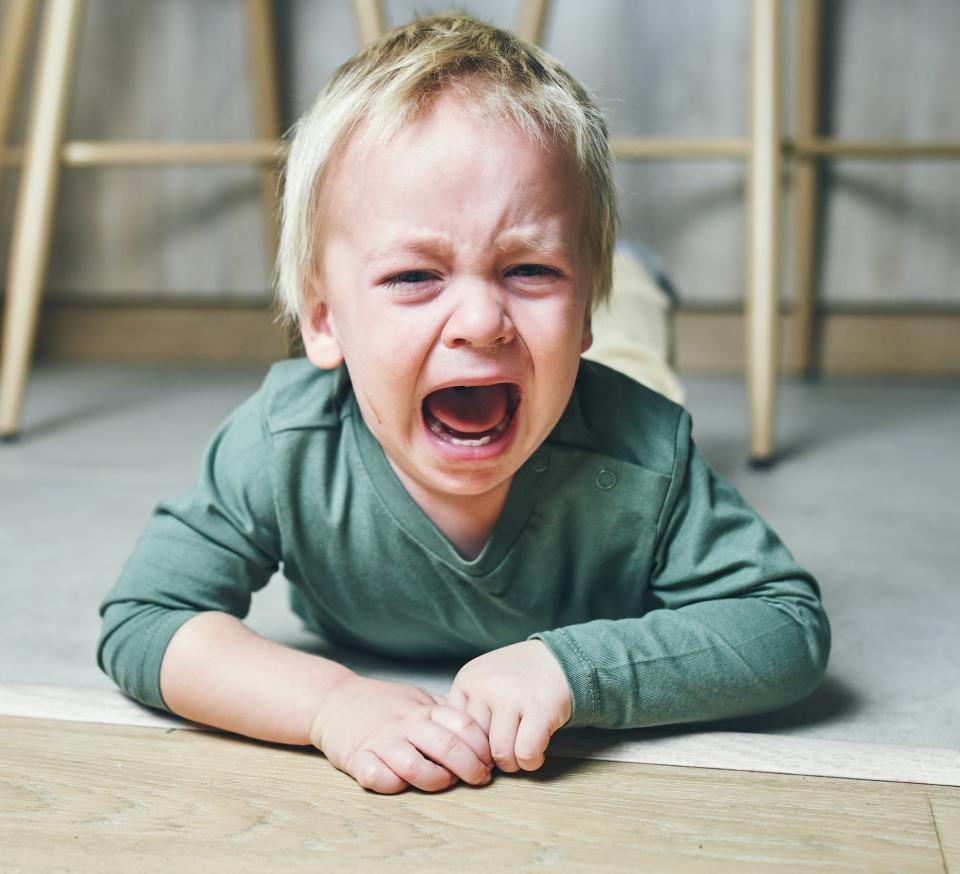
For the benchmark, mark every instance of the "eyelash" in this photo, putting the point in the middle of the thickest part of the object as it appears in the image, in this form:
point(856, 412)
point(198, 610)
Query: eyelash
point(398, 279)
point(541, 270)
point(393, 281)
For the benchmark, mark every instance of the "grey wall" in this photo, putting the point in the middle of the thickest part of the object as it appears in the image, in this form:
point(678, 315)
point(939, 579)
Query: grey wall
point(177, 70)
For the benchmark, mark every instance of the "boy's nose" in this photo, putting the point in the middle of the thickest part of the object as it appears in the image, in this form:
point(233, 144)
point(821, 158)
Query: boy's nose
point(478, 319)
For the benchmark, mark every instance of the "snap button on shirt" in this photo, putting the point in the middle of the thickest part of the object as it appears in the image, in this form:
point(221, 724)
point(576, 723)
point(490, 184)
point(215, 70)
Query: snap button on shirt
point(606, 479)
point(540, 462)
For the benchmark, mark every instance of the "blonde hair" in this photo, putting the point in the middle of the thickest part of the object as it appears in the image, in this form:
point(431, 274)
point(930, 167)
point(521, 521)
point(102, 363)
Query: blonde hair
point(395, 80)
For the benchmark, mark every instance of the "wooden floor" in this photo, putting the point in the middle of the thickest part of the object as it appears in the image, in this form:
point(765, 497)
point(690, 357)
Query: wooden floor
point(81, 796)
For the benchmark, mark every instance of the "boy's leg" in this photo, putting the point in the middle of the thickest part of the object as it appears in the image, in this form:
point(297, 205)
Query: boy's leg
point(634, 332)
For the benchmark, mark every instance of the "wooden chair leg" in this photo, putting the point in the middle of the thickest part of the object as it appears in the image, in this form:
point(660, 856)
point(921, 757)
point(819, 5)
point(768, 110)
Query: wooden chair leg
point(263, 78)
point(805, 181)
point(532, 20)
point(263, 75)
point(34, 211)
point(368, 18)
point(14, 36)
point(762, 312)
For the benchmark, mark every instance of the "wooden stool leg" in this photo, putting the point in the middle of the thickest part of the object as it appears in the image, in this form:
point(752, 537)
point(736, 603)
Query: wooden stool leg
point(34, 211)
point(532, 20)
point(263, 77)
point(263, 70)
point(13, 45)
point(805, 181)
point(762, 312)
point(368, 18)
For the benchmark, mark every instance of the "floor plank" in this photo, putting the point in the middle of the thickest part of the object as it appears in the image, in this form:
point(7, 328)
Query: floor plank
point(945, 810)
point(724, 750)
point(75, 795)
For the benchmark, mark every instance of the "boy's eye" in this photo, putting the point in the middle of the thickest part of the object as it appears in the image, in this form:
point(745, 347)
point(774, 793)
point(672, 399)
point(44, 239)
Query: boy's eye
point(408, 277)
point(533, 271)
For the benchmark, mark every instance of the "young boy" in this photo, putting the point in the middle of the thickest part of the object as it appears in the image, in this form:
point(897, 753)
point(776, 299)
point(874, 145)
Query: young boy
point(442, 476)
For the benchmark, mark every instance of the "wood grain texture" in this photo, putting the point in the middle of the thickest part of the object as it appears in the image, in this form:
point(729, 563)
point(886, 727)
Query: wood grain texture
point(78, 796)
point(726, 750)
point(223, 334)
point(945, 810)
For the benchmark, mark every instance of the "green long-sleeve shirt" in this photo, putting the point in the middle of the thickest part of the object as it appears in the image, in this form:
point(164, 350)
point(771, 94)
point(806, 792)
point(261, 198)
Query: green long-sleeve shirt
point(662, 594)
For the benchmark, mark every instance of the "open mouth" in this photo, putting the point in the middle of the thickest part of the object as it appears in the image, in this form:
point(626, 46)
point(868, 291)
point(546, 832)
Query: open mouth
point(471, 415)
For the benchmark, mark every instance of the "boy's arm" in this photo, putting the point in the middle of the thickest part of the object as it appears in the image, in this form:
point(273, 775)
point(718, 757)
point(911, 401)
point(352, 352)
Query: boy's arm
point(208, 550)
point(385, 735)
point(172, 638)
point(734, 626)
point(218, 672)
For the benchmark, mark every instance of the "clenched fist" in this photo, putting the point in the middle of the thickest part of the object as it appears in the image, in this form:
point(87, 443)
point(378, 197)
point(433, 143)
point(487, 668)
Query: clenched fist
point(388, 736)
point(519, 695)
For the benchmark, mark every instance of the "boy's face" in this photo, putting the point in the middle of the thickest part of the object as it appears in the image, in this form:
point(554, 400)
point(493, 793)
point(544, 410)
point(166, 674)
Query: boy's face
point(454, 283)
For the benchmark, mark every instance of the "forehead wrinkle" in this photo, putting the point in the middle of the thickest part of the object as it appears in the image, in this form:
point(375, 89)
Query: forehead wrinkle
point(426, 242)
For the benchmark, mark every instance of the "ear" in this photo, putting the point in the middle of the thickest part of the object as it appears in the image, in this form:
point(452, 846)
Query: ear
point(587, 340)
point(319, 336)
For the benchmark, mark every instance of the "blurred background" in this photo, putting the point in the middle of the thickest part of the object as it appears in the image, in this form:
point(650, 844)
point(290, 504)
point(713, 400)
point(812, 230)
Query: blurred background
point(183, 238)
point(156, 316)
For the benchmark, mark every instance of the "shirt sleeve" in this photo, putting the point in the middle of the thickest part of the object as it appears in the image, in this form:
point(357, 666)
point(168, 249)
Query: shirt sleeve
point(733, 625)
point(208, 550)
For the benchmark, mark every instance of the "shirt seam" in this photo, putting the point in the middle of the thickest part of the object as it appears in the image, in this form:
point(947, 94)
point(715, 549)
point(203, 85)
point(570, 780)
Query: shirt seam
point(672, 488)
point(692, 652)
point(590, 671)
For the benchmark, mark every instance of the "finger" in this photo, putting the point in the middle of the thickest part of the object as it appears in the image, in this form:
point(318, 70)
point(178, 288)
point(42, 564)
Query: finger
point(456, 698)
point(481, 714)
point(503, 739)
point(465, 727)
point(477, 709)
point(440, 745)
point(533, 737)
point(408, 763)
point(370, 772)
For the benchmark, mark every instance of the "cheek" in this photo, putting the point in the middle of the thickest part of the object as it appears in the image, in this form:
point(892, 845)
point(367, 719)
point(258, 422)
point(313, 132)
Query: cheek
point(558, 332)
point(384, 365)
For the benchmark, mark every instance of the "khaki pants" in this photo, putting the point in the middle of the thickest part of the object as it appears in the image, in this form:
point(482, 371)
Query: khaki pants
point(634, 332)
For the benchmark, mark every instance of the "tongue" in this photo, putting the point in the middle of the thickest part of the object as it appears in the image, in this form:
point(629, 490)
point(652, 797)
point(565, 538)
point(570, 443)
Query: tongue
point(470, 410)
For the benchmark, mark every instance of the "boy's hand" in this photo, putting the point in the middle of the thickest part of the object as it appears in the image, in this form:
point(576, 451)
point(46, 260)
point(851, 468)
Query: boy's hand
point(520, 696)
point(388, 736)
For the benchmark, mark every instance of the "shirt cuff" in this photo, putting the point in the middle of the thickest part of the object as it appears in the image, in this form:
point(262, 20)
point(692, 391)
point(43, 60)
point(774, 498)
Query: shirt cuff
point(581, 675)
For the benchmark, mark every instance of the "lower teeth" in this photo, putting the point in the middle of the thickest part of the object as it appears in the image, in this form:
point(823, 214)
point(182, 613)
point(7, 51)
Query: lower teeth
point(483, 441)
point(437, 427)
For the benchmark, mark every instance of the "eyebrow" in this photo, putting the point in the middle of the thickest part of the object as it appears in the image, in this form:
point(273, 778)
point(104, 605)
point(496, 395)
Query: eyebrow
point(427, 242)
point(526, 238)
point(530, 239)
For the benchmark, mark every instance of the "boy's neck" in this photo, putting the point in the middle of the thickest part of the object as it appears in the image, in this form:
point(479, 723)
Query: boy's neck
point(466, 521)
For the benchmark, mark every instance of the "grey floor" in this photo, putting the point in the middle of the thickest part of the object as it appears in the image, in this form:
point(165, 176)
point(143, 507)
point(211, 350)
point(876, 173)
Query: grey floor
point(866, 496)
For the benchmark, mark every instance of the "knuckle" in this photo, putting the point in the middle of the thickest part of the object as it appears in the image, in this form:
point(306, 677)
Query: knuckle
point(465, 721)
point(449, 743)
point(368, 775)
point(408, 767)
